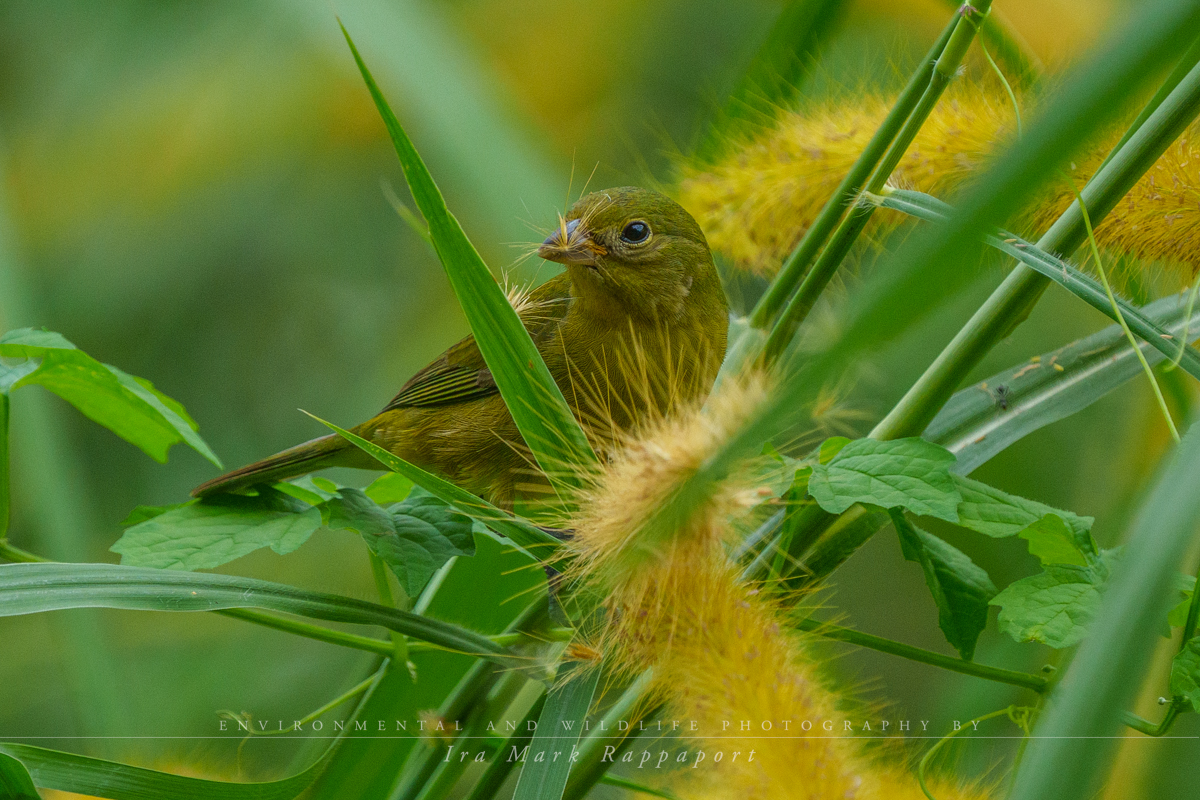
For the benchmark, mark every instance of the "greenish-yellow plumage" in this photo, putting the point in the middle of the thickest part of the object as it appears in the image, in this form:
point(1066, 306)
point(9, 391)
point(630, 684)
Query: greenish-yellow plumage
point(635, 326)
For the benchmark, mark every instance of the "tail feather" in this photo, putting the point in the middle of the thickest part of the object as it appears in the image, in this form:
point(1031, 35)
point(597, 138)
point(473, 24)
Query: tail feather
point(327, 451)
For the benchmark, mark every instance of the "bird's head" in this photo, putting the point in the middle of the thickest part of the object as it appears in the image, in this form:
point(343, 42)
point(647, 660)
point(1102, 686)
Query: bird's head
point(631, 244)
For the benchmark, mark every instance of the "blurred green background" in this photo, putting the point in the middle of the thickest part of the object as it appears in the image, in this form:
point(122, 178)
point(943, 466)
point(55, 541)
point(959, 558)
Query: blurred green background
point(197, 192)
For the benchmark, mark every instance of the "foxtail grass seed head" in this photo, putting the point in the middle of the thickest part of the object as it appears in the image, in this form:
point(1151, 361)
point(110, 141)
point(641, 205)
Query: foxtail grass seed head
point(756, 204)
point(719, 649)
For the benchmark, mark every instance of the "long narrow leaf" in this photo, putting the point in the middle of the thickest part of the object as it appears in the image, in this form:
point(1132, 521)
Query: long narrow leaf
point(1080, 284)
point(519, 530)
point(558, 731)
point(533, 398)
point(975, 426)
point(1073, 745)
point(69, 772)
point(34, 588)
point(15, 783)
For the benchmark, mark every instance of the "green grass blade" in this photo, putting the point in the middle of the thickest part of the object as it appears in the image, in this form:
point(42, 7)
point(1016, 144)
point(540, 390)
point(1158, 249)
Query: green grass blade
point(519, 530)
point(774, 75)
point(15, 783)
point(975, 428)
point(1074, 743)
point(558, 731)
point(36, 588)
point(1078, 283)
point(1098, 89)
point(68, 772)
point(533, 398)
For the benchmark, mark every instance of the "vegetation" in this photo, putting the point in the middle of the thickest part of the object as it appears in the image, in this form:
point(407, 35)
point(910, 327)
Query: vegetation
point(710, 571)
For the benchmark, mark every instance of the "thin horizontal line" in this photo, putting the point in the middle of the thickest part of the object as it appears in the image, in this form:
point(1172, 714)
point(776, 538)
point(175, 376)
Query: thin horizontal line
point(261, 734)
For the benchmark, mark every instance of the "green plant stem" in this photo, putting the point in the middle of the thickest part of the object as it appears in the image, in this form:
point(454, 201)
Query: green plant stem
point(501, 766)
point(924, 762)
point(1142, 725)
point(471, 690)
point(591, 765)
point(368, 643)
point(1012, 301)
point(312, 715)
point(1187, 322)
point(450, 769)
point(1133, 342)
point(798, 260)
point(10, 552)
point(379, 572)
point(847, 233)
point(1025, 680)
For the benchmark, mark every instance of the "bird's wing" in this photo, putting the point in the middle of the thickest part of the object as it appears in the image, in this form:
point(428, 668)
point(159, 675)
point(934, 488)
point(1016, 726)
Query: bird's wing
point(460, 374)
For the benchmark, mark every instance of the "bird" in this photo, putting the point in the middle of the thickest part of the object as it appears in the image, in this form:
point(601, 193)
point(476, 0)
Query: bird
point(633, 328)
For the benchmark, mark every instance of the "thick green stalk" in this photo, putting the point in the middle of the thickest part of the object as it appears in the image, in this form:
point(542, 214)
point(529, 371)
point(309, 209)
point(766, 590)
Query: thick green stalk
point(797, 262)
point(847, 233)
point(1015, 297)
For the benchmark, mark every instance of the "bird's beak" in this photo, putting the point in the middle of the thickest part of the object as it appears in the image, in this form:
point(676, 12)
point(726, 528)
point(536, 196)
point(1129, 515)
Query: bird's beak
point(571, 243)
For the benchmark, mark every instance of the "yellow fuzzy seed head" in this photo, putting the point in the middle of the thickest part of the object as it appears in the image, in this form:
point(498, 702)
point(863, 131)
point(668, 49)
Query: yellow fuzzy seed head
point(719, 649)
point(756, 204)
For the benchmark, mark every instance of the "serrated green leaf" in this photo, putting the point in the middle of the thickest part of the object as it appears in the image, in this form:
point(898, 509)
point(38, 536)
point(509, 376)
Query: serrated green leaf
point(15, 783)
point(143, 513)
point(830, 448)
point(960, 588)
point(1177, 616)
point(533, 398)
point(414, 538)
point(996, 513)
point(1054, 607)
point(217, 530)
point(903, 473)
point(127, 405)
point(1053, 542)
point(388, 488)
point(1185, 673)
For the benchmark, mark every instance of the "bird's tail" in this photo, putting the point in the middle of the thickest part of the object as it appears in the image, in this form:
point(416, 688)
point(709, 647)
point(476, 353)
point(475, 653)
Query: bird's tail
point(327, 451)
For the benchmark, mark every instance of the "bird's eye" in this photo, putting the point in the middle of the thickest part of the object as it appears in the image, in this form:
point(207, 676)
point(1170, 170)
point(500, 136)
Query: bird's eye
point(635, 232)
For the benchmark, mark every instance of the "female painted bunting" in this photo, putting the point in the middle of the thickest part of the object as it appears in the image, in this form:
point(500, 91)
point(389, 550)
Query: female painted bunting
point(635, 326)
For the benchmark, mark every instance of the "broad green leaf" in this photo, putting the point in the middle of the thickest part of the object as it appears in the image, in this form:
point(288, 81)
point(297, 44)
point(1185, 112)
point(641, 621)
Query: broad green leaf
point(960, 588)
point(215, 530)
point(904, 473)
point(1185, 673)
point(388, 488)
point(414, 538)
point(128, 406)
point(994, 512)
point(36, 588)
point(15, 783)
point(519, 530)
point(543, 775)
point(1053, 542)
point(143, 513)
point(533, 398)
point(1177, 618)
point(1054, 607)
